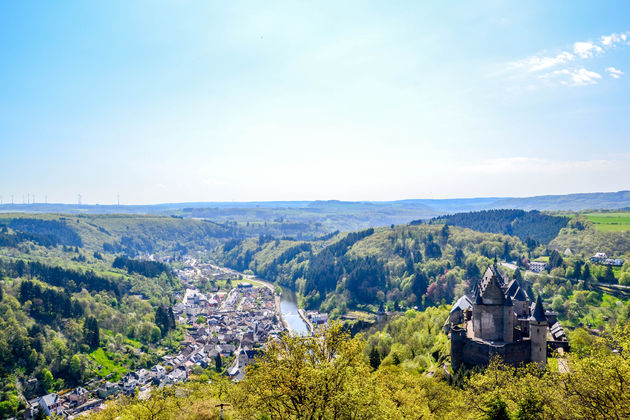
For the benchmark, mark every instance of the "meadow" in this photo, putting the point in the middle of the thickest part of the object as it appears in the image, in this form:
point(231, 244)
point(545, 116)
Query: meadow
point(610, 222)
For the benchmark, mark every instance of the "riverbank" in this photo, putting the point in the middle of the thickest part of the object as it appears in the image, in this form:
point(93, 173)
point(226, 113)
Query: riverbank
point(308, 323)
point(279, 313)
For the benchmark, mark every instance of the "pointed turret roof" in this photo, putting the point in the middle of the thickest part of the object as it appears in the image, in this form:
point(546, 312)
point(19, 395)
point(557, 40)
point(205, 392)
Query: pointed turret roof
point(512, 287)
point(539, 311)
point(520, 295)
point(508, 301)
point(497, 274)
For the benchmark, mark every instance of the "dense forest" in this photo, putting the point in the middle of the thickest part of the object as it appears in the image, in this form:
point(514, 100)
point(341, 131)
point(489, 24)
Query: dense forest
point(144, 267)
point(399, 267)
point(525, 224)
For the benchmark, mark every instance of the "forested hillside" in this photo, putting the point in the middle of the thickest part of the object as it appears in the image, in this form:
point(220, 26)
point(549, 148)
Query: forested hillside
point(68, 313)
point(524, 224)
point(400, 266)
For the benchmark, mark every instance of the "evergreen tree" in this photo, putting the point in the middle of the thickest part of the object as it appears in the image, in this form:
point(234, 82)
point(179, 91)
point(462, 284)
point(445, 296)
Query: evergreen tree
point(444, 233)
point(163, 319)
point(419, 283)
point(586, 273)
point(91, 333)
point(555, 260)
point(459, 258)
point(171, 318)
point(375, 358)
point(577, 269)
point(218, 363)
point(497, 410)
point(609, 275)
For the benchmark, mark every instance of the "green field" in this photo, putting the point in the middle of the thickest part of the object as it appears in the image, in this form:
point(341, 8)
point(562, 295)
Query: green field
point(108, 366)
point(610, 222)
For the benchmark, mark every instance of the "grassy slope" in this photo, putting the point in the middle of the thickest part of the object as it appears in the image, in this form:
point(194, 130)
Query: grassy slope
point(610, 222)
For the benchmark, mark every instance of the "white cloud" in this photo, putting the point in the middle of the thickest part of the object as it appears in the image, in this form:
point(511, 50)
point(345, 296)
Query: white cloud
point(612, 39)
point(614, 73)
point(537, 63)
point(586, 49)
point(573, 77)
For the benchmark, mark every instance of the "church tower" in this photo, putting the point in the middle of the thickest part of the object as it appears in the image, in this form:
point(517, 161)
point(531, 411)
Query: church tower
point(538, 334)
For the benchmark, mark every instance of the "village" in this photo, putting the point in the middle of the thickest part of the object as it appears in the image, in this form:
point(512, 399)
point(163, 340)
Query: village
point(224, 328)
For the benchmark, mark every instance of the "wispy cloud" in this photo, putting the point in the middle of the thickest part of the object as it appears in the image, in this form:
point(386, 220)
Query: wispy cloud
point(574, 77)
point(614, 73)
point(536, 63)
point(564, 67)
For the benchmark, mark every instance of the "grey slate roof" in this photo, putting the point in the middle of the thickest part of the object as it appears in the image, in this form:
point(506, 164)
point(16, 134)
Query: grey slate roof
point(462, 304)
point(539, 311)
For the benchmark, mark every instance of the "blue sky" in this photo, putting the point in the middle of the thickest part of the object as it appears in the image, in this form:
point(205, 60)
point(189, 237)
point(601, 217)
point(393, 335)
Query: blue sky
point(217, 101)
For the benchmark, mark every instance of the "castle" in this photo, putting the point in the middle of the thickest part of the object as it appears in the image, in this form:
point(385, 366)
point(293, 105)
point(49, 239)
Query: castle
point(499, 319)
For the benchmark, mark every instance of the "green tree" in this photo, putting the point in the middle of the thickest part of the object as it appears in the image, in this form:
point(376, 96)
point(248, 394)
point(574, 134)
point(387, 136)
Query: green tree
point(577, 269)
point(497, 410)
point(9, 407)
point(91, 332)
point(46, 379)
point(320, 377)
point(608, 276)
point(218, 363)
point(555, 260)
point(76, 368)
point(375, 358)
point(530, 407)
point(162, 320)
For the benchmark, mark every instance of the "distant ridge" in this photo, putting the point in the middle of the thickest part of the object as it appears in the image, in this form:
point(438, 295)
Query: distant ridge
point(581, 201)
point(411, 208)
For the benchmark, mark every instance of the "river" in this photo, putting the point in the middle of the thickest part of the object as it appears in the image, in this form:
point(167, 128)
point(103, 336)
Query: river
point(289, 308)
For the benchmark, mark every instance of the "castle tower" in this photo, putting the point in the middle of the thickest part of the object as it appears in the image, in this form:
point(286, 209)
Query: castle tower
point(489, 310)
point(538, 334)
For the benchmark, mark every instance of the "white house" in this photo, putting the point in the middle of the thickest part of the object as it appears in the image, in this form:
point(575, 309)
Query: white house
point(51, 403)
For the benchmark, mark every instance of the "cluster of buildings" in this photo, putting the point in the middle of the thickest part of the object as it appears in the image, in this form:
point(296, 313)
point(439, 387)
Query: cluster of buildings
point(537, 266)
point(498, 318)
point(79, 400)
point(234, 324)
point(227, 326)
point(317, 318)
point(602, 258)
point(69, 404)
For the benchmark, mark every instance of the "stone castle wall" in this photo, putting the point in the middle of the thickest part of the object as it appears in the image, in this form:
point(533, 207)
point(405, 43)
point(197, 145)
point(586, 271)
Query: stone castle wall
point(467, 352)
